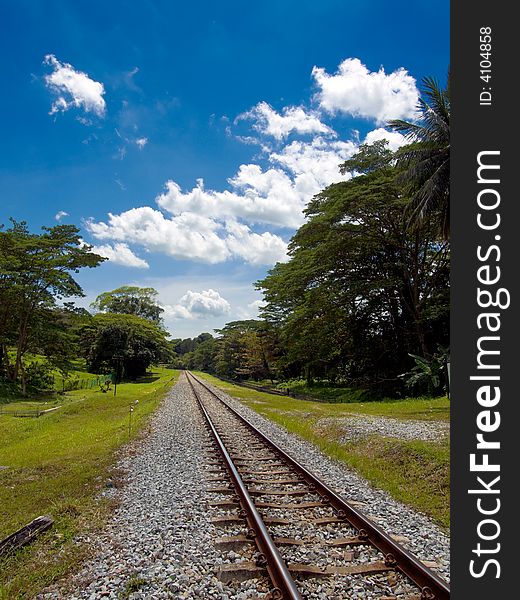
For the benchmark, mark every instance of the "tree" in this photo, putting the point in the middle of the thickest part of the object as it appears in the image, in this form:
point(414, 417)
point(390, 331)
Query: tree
point(361, 290)
point(231, 348)
point(35, 272)
point(247, 349)
point(197, 353)
point(124, 344)
point(202, 358)
point(426, 159)
point(130, 300)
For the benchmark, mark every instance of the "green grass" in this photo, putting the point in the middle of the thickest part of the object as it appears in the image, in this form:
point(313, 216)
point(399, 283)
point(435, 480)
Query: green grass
point(57, 464)
point(414, 472)
point(424, 409)
point(328, 393)
point(134, 584)
point(10, 392)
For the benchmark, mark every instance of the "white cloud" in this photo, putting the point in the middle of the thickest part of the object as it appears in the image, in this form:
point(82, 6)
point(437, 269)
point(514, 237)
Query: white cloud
point(213, 226)
point(198, 305)
point(314, 165)
point(75, 89)
point(190, 236)
point(354, 90)
point(255, 248)
point(394, 138)
point(275, 196)
point(141, 142)
point(294, 118)
point(120, 254)
point(235, 286)
point(187, 236)
point(60, 214)
point(256, 196)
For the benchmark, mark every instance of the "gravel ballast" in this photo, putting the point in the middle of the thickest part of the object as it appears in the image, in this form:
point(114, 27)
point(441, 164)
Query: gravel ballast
point(159, 543)
point(358, 427)
point(413, 530)
point(160, 539)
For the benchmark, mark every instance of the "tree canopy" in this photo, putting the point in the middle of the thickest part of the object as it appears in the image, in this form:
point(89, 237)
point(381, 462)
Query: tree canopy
point(363, 295)
point(124, 344)
point(426, 159)
point(130, 300)
point(36, 271)
point(361, 290)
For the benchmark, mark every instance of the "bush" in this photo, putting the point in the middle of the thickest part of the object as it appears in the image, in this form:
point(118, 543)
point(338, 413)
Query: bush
point(9, 390)
point(428, 376)
point(38, 376)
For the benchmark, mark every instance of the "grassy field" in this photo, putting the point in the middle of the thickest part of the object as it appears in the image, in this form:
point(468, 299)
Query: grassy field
point(10, 393)
point(414, 472)
point(57, 464)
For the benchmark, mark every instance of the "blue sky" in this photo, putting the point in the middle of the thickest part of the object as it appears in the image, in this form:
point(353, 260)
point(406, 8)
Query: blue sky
point(184, 139)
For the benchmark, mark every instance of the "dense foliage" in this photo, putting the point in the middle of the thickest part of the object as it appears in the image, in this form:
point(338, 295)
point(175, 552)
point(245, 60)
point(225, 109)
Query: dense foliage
point(123, 344)
point(35, 273)
point(197, 353)
point(130, 300)
point(426, 160)
point(363, 299)
point(247, 349)
point(40, 332)
point(362, 289)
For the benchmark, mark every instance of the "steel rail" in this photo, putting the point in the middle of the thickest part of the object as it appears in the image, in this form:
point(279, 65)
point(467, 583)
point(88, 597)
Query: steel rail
point(285, 586)
point(432, 586)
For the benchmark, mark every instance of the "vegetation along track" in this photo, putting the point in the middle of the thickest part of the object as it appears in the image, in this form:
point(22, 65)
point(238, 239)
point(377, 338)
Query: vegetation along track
point(297, 527)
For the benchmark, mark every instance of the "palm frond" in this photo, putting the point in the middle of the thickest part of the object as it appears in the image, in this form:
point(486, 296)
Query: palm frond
point(425, 160)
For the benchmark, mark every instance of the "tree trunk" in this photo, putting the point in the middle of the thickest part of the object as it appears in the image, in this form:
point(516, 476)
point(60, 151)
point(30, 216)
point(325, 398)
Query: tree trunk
point(5, 362)
point(19, 351)
point(24, 382)
point(23, 332)
point(308, 375)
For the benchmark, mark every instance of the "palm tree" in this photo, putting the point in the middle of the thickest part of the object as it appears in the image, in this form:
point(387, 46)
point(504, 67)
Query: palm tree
point(426, 160)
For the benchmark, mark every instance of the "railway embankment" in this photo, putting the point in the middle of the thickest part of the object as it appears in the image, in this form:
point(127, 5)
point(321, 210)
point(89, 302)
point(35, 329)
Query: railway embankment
point(161, 539)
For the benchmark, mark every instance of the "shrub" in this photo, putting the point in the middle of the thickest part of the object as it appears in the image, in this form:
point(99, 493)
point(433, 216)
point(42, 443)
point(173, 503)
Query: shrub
point(38, 376)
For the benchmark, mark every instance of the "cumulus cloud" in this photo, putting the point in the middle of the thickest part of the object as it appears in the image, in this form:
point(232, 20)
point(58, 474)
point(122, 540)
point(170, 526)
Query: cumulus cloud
point(189, 236)
point(394, 138)
point(356, 91)
point(234, 222)
point(293, 118)
point(273, 196)
point(256, 195)
point(60, 214)
point(198, 305)
point(74, 89)
point(316, 164)
point(120, 254)
point(213, 226)
point(255, 248)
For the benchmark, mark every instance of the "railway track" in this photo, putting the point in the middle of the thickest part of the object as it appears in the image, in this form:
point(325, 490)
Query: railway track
point(290, 527)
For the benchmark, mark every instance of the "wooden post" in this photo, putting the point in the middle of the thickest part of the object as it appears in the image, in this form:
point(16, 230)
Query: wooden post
point(25, 535)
